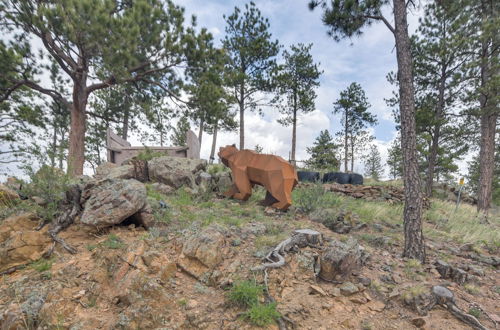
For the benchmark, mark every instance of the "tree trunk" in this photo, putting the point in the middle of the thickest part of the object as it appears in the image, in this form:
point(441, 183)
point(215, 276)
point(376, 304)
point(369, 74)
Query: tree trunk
point(294, 129)
point(214, 143)
point(76, 152)
point(200, 132)
point(489, 117)
point(345, 142)
point(352, 153)
point(437, 132)
point(125, 123)
point(242, 115)
point(53, 147)
point(414, 239)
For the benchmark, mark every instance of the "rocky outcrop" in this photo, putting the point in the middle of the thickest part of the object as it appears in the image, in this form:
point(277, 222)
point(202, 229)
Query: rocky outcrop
point(202, 252)
point(340, 222)
point(175, 171)
point(448, 271)
point(339, 260)
point(109, 202)
point(20, 244)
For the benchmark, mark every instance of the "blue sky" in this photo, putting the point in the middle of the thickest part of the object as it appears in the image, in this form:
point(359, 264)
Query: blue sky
point(365, 60)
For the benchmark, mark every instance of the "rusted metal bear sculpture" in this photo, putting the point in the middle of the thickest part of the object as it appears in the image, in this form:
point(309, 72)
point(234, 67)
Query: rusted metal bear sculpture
point(250, 168)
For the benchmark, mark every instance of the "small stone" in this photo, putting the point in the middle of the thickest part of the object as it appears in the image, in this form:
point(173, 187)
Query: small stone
point(394, 293)
point(376, 306)
point(336, 292)
point(365, 281)
point(348, 289)
point(418, 322)
point(191, 304)
point(359, 300)
point(315, 288)
point(378, 227)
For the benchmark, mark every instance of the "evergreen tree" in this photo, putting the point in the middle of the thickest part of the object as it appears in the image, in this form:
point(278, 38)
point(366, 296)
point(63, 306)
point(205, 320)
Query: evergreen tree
point(473, 176)
point(98, 44)
point(296, 81)
point(178, 136)
point(323, 153)
point(438, 51)
point(252, 58)
point(395, 160)
point(353, 105)
point(347, 18)
point(373, 163)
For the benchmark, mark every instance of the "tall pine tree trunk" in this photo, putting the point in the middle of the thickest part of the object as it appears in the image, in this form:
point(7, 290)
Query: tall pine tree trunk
point(345, 141)
point(242, 115)
point(125, 123)
point(352, 153)
point(53, 147)
point(489, 114)
point(414, 246)
point(214, 143)
point(437, 132)
point(200, 132)
point(76, 152)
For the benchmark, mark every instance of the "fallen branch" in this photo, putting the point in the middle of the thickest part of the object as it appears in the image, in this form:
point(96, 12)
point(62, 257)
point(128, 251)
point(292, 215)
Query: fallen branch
point(300, 238)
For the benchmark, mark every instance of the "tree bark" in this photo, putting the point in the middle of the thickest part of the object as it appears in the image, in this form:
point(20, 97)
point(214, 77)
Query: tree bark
point(242, 114)
point(125, 123)
point(76, 152)
point(345, 141)
point(200, 132)
point(489, 117)
point(53, 147)
point(214, 143)
point(414, 246)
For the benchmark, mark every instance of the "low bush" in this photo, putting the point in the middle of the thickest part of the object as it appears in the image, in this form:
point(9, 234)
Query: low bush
point(245, 293)
point(262, 314)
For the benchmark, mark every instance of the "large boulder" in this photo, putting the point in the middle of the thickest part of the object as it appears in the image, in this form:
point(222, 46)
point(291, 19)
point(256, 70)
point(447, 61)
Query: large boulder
point(7, 195)
point(110, 201)
point(202, 252)
point(20, 243)
point(339, 260)
point(175, 171)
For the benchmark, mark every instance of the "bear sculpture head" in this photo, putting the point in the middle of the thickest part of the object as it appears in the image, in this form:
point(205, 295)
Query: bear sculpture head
point(226, 152)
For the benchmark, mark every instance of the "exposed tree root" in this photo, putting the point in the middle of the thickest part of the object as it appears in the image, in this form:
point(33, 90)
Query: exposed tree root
point(444, 297)
point(70, 210)
point(300, 238)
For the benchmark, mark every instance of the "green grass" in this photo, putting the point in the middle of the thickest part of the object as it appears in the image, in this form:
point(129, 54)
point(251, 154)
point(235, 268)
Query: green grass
point(113, 242)
point(245, 293)
point(476, 312)
point(42, 265)
point(262, 314)
point(471, 288)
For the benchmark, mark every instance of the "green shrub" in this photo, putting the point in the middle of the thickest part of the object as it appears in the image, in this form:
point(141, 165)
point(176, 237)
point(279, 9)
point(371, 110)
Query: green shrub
point(50, 184)
point(245, 293)
point(476, 312)
point(148, 154)
point(262, 314)
point(309, 198)
point(217, 168)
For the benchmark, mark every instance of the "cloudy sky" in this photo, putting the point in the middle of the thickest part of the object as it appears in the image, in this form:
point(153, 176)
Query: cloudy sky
point(365, 60)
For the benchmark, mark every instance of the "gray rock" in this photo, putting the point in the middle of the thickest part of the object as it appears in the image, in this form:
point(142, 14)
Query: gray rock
point(204, 181)
point(175, 171)
point(109, 202)
point(341, 259)
point(348, 289)
point(448, 271)
point(443, 294)
point(31, 307)
point(163, 188)
point(222, 181)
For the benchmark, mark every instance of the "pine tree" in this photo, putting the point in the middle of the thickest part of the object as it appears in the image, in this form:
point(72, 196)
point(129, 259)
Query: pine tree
point(353, 106)
point(296, 81)
point(347, 18)
point(178, 137)
point(395, 160)
point(373, 163)
point(97, 44)
point(252, 58)
point(323, 153)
